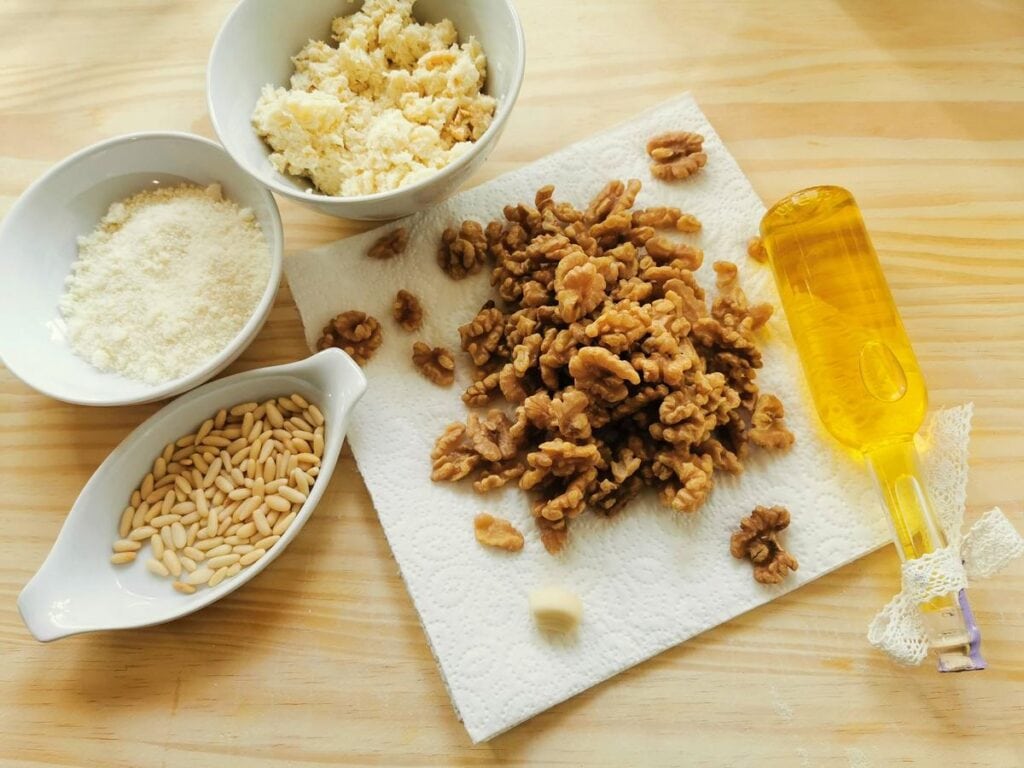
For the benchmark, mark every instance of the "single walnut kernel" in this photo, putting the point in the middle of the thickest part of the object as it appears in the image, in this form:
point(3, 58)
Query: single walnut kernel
point(677, 155)
point(768, 429)
point(462, 251)
point(389, 245)
point(610, 370)
point(353, 332)
point(756, 251)
point(436, 363)
point(497, 532)
point(758, 541)
point(407, 311)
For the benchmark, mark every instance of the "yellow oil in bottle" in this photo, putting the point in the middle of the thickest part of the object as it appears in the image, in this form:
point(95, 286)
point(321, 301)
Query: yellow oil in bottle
point(863, 375)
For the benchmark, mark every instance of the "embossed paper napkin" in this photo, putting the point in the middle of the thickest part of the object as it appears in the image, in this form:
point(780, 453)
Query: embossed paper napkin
point(649, 578)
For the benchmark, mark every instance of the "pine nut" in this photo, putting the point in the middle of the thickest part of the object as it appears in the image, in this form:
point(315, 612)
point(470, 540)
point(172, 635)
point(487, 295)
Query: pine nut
point(247, 530)
point(183, 508)
point(223, 561)
point(216, 441)
point(127, 545)
point(272, 517)
point(286, 405)
point(247, 422)
point(165, 535)
point(220, 419)
point(212, 472)
point(204, 430)
point(241, 549)
point(196, 554)
point(188, 563)
point(185, 589)
point(208, 544)
point(157, 545)
point(200, 463)
point(237, 477)
point(124, 527)
point(294, 496)
point(183, 485)
point(217, 577)
point(178, 535)
point(315, 415)
point(234, 569)
point(308, 458)
point(282, 525)
point(121, 558)
point(191, 534)
point(191, 517)
point(240, 493)
point(199, 576)
point(265, 543)
point(173, 563)
point(139, 518)
point(243, 408)
point(234, 540)
point(282, 435)
point(282, 466)
point(220, 549)
point(161, 520)
point(157, 568)
point(301, 446)
point(136, 498)
point(251, 557)
point(211, 524)
point(274, 416)
point(259, 519)
point(168, 502)
point(273, 485)
point(301, 484)
point(168, 450)
point(147, 485)
point(223, 527)
point(159, 467)
point(300, 401)
point(142, 533)
point(245, 509)
point(269, 469)
point(278, 503)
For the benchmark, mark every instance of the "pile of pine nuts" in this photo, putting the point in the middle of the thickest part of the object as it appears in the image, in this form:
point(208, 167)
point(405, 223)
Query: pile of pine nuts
point(219, 498)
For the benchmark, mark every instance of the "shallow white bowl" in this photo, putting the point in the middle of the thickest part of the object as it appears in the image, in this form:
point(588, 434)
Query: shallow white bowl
point(255, 46)
point(38, 244)
point(77, 589)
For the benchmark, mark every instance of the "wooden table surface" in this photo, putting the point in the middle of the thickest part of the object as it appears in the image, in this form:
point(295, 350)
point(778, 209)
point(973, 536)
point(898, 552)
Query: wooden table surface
point(917, 106)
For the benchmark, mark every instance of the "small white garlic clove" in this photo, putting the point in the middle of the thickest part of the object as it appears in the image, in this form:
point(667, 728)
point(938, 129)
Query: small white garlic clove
point(555, 609)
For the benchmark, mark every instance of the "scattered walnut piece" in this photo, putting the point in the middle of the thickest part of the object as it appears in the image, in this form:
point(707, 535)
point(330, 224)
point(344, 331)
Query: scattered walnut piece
point(687, 222)
point(497, 532)
point(676, 154)
point(462, 251)
point(768, 429)
point(758, 540)
point(407, 311)
point(756, 251)
point(436, 363)
point(389, 245)
point(606, 369)
point(354, 332)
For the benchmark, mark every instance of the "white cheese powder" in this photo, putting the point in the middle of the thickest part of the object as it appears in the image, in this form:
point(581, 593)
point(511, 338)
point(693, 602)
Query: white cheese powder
point(165, 282)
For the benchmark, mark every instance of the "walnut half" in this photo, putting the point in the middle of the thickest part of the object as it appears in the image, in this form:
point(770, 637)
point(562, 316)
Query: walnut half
point(436, 363)
point(676, 155)
point(389, 245)
point(497, 532)
point(758, 541)
point(407, 311)
point(354, 332)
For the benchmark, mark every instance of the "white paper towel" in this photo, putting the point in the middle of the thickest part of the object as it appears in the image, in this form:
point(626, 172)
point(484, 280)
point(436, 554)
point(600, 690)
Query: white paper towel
point(649, 578)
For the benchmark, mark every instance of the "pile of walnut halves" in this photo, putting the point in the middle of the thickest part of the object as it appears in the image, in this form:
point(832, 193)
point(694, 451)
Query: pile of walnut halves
point(620, 374)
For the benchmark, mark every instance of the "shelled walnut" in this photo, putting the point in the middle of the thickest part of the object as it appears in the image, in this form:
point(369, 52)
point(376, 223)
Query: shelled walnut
point(497, 532)
point(676, 155)
point(407, 311)
point(436, 363)
point(354, 332)
point(610, 371)
point(758, 541)
point(462, 251)
point(390, 244)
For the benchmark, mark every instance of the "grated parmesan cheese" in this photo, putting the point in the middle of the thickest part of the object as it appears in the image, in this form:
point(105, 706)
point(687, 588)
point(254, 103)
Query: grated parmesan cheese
point(165, 282)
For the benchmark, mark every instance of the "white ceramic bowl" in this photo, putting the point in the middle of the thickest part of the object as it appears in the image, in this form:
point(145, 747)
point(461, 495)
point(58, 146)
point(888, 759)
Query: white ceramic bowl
point(77, 589)
point(255, 46)
point(38, 245)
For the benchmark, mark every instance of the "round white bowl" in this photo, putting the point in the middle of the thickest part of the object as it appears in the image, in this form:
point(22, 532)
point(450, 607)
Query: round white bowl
point(38, 243)
point(255, 45)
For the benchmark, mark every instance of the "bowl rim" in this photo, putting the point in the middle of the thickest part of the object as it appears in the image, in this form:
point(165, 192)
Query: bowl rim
point(307, 196)
point(275, 244)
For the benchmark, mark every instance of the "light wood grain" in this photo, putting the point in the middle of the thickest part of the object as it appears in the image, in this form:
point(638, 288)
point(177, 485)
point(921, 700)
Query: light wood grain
point(917, 106)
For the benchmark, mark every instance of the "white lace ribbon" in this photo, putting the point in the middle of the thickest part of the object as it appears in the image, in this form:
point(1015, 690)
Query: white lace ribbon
point(990, 544)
